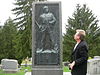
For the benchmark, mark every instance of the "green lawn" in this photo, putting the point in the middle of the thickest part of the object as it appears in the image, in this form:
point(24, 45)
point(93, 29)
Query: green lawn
point(21, 72)
point(18, 73)
point(66, 69)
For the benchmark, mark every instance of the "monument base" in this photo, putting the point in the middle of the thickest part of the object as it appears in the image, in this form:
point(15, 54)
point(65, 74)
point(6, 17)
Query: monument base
point(47, 71)
point(47, 59)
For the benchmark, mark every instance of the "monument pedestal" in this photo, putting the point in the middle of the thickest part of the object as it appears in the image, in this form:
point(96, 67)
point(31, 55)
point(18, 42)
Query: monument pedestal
point(47, 71)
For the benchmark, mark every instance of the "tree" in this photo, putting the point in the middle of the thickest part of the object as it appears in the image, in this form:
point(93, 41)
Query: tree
point(82, 18)
point(23, 12)
point(7, 37)
point(1, 42)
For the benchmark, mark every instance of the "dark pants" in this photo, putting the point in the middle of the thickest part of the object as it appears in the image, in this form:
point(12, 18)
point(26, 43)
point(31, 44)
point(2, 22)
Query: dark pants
point(77, 73)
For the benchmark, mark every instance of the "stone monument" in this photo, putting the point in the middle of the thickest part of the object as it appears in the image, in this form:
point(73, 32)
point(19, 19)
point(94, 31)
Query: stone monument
point(46, 39)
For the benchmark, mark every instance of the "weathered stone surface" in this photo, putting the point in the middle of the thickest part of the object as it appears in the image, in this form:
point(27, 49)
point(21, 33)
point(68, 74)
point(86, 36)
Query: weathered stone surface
point(9, 65)
point(94, 66)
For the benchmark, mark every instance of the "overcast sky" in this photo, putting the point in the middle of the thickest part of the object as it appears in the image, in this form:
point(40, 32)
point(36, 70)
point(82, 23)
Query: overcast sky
point(68, 7)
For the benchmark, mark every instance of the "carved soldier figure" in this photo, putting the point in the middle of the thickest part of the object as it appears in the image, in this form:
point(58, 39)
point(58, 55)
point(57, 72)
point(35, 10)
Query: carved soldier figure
point(46, 25)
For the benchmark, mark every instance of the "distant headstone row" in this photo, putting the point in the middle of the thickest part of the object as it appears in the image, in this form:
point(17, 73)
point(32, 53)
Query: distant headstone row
point(9, 65)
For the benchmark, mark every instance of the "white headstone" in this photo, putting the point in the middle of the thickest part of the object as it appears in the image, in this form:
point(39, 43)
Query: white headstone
point(9, 65)
point(94, 66)
point(96, 57)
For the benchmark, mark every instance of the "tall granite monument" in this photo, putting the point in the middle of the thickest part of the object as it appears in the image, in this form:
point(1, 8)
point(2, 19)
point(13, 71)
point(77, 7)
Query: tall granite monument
point(46, 39)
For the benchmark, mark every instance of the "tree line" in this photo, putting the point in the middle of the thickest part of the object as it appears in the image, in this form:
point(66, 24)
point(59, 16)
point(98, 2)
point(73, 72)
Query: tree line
point(82, 18)
point(16, 34)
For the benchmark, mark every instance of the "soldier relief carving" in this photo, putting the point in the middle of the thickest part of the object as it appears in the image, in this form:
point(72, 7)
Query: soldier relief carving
point(46, 24)
point(47, 34)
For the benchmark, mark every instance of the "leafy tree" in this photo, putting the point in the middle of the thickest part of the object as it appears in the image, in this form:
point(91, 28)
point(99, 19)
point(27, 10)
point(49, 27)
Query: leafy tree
point(23, 12)
point(82, 18)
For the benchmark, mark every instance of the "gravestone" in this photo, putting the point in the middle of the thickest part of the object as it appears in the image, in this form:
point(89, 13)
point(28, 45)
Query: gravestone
point(93, 67)
point(9, 65)
point(46, 39)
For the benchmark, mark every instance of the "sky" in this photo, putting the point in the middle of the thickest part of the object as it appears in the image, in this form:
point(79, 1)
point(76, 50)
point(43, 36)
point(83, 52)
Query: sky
point(5, 10)
point(68, 7)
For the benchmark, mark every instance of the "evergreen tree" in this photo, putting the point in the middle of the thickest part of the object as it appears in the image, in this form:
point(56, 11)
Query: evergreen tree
point(7, 36)
point(23, 12)
point(1, 44)
point(82, 18)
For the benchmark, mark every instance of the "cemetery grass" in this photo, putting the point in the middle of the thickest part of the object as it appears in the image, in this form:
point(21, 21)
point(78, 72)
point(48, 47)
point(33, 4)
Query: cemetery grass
point(66, 69)
point(18, 73)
